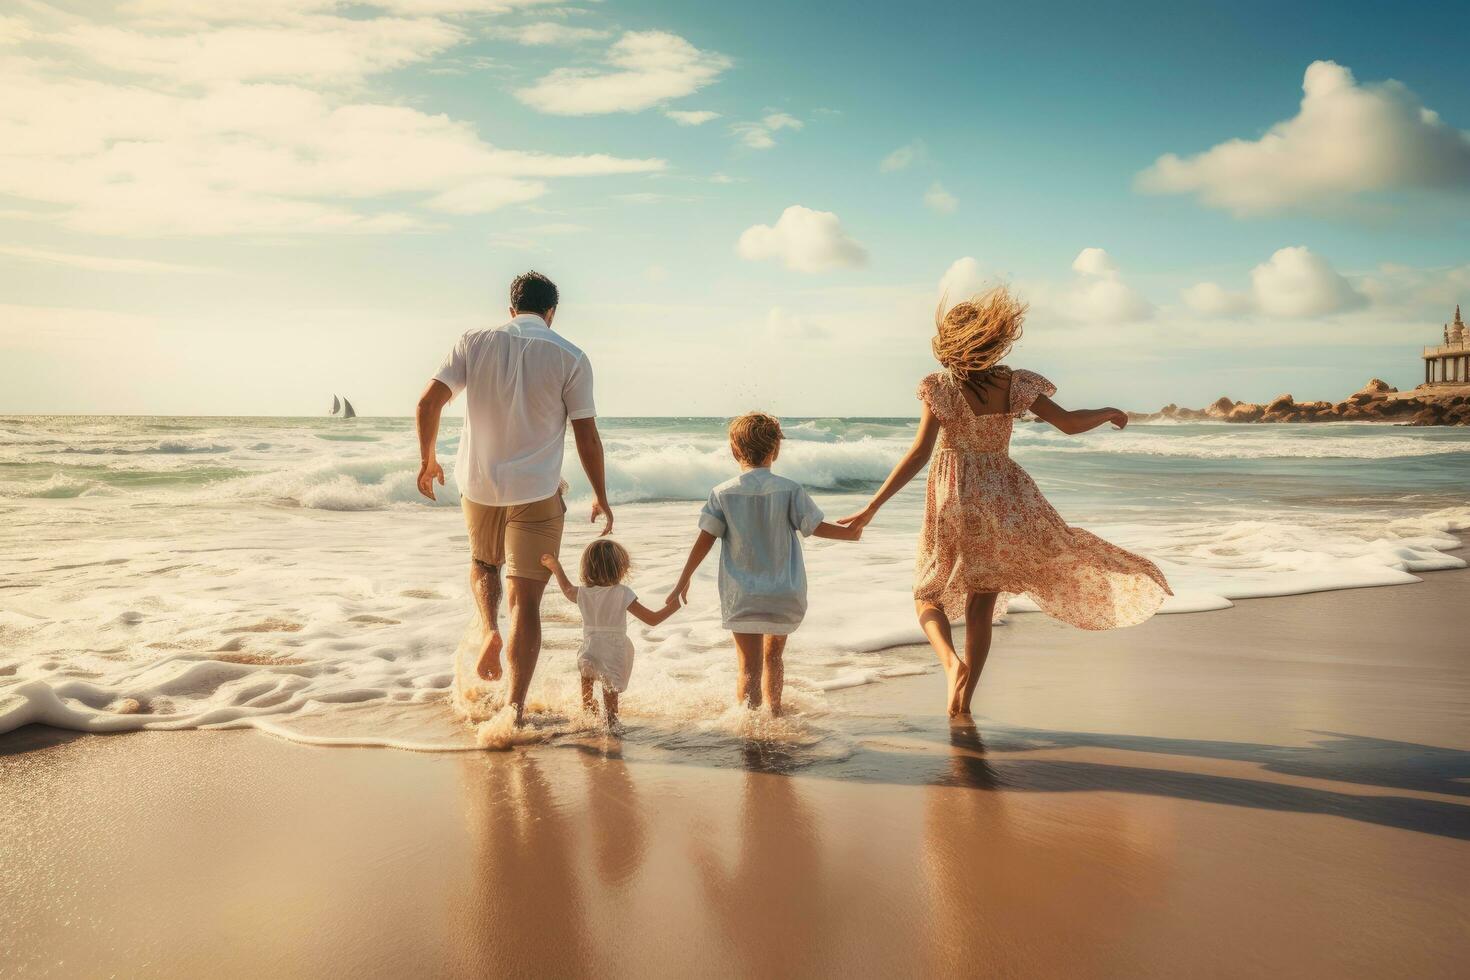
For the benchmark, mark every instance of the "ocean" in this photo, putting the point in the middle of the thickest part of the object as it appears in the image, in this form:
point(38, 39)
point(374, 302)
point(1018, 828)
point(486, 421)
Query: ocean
point(284, 574)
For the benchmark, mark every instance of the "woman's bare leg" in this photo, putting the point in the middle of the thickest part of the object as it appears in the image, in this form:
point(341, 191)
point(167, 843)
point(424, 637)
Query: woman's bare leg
point(979, 613)
point(936, 627)
point(773, 676)
point(610, 701)
point(748, 680)
point(589, 703)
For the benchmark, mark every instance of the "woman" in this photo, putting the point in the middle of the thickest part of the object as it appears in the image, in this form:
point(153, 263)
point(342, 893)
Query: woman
point(988, 532)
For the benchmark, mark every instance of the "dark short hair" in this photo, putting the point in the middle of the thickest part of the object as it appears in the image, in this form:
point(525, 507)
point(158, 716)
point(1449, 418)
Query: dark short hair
point(532, 292)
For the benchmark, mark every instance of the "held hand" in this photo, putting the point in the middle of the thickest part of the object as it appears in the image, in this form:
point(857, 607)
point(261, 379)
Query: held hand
point(549, 562)
point(680, 595)
point(603, 511)
point(429, 471)
point(858, 521)
point(1118, 418)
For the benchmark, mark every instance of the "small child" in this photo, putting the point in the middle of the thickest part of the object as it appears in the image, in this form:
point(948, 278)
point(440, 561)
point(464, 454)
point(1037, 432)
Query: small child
point(606, 655)
point(761, 517)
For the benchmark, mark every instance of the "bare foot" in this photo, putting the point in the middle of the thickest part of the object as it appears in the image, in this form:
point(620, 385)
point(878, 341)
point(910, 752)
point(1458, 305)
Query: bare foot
point(957, 674)
point(489, 666)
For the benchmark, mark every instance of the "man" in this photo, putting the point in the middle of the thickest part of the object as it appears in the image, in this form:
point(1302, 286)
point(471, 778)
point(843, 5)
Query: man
point(522, 383)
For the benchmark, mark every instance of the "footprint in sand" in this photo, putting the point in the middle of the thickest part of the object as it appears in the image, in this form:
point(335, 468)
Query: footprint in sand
point(259, 658)
point(269, 625)
point(422, 594)
point(374, 620)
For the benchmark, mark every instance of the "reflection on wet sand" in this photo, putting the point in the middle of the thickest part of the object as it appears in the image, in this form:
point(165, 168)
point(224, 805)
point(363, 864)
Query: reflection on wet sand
point(614, 809)
point(774, 905)
point(1005, 872)
point(524, 914)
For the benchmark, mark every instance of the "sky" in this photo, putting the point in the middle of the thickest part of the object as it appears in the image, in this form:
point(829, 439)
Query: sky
point(220, 208)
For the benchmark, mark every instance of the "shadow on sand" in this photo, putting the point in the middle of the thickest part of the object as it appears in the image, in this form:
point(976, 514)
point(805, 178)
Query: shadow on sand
point(995, 762)
point(1343, 758)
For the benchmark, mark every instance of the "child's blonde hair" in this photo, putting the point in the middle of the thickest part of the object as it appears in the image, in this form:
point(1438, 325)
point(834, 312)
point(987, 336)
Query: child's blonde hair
point(605, 562)
point(977, 333)
point(755, 437)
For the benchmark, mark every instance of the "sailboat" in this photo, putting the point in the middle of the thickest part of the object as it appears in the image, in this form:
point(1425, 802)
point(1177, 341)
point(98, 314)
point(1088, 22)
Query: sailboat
point(336, 405)
point(347, 412)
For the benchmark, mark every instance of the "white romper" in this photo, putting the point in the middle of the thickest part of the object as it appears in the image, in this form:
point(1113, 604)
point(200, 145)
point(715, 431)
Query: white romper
point(606, 654)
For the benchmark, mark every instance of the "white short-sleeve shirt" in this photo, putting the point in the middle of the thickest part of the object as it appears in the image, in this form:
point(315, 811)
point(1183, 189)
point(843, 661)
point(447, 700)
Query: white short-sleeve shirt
point(522, 382)
point(760, 519)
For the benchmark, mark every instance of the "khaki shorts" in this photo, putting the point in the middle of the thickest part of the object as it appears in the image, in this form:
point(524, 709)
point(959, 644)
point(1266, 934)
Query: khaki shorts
point(516, 536)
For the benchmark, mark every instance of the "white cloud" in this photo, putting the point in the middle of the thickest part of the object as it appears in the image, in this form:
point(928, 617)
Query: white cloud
point(1294, 283)
point(1346, 141)
point(1099, 294)
point(176, 13)
point(805, 240)
point(546, 33)
point(314, 49)
point(1212, 299)
point(1427, 294)
point(96, 263)
point(963, 279)
point(1094, 262)
point(485, 194)
point(13, 30)
point(198, 151)
point(902, 158)
point(691, 117)
point(939, 200)
point(647, 68)
point(761, 135)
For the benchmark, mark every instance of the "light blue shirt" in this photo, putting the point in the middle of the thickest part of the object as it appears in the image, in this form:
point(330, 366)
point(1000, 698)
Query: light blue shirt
point(760, 519)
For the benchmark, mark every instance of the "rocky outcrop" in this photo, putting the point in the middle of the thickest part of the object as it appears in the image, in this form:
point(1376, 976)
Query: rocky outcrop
point(1377, 401)
point(1219, 408)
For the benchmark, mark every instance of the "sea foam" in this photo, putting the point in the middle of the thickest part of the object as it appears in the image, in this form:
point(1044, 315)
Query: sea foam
point(298, 584)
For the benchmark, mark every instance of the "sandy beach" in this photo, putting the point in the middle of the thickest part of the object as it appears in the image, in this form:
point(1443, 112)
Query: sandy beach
point(1279, 787)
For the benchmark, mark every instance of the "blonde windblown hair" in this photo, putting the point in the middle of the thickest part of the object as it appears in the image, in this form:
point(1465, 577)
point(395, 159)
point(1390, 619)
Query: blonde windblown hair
point(971, 339)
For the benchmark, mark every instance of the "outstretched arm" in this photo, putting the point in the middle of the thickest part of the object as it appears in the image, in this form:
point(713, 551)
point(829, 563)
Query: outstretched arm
point(838, 532)
point(908, 467)
point(702, 545)
point(646, 615)
point(551, 563)
point(1079, 420)
point(431, 406)
point(589, 451)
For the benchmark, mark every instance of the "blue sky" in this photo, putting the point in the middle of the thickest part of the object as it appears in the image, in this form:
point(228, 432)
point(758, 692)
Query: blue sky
point(207, 212)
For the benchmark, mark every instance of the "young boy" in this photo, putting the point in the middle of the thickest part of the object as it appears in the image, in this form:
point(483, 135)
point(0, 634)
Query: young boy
point(761, 517)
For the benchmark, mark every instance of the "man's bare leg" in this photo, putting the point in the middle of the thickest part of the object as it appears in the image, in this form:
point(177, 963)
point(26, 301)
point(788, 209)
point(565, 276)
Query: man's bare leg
point(523, 646)
point(936, 627)
point(485, 586)
point(773, 676)
point(748, 678)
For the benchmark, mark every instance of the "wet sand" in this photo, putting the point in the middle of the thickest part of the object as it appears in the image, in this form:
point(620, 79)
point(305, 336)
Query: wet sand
point(1282, 787)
